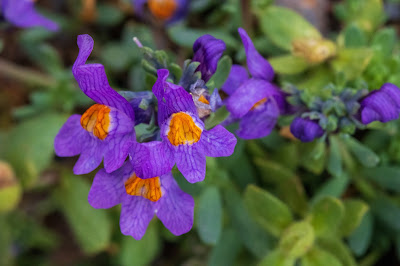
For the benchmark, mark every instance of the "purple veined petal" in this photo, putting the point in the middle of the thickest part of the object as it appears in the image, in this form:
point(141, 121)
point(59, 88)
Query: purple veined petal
point(258, 66)
point(136, 214)
point(71, 138)
point(175, 209)
point(92, 79)
point(215, 100)
point(393, 91)
point(108, 188)
point(152, 159)
point(237, 76)
point(259, 123)
point(208, 50)
point(305, 129)
point(218, 142)
point(178, 100)
point(23, 14)
point(159, 91)
point(247, 95)
point(191, 162)
point(378, 106)
point(91, 156)
point(118, 148)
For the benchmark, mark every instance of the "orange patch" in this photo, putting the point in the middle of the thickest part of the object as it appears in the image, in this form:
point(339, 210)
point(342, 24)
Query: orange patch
point(148, 188)
point(203, 100)
point(183, 130)
point(96, 119)
point(163, 9)
point(260, 102)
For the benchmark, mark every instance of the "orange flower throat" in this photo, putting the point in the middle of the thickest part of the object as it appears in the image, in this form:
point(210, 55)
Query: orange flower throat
point(162, 9)
point(148, 188)
point(257, 104)
point(96, 119)
point(183, 130)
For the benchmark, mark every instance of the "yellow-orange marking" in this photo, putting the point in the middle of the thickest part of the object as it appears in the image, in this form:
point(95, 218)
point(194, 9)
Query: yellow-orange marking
point(148, 188)
point(257, 104)
point(183, 130)
point(163, 9)
point(96, 119)
point(203, 100)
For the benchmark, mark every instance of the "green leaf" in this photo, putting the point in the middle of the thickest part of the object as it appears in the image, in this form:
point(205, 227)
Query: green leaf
point(277, 258)
point(272, 171)
point(319, 257)
point(352, 61)
point(226, 249)
point(29, 146)
point(216, 118)
point(256, 240)
point(291, 191)
point(283, 26)
point(384, 41)
point(386, 176)
point(326, 215)
point(143, 252)
point(334, 165)
point(364, 154)
point(354, 37)
point(222, 73)
point(387, 211)
point(335, 246)
point(108, 15)
point(91, 227)
point(313, 158)
point(360, 239)
point(9, 197)
point(334, 187)
point(267, 210)
point(297, 239)
point(288, 64)
point(209, 215)
point(354, 211)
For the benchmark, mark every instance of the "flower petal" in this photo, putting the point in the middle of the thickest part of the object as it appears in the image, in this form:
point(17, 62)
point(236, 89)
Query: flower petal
point(247, 95)
point(191, 162)
point(258, 123)
point(175, 209)
point(108, 188)
point(393, 91)
point(305, 129)
point(92, 79)
point(117, 150)
point(258, 66)
point(91, 157)
point(237, 76)
point(208, 50)
point(71, 138)
point(152, 159)
point(136, 214)
point(218, 142)
point(23, 14)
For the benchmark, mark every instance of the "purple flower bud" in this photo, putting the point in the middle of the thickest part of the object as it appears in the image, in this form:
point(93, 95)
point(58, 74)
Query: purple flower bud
point(306, 129)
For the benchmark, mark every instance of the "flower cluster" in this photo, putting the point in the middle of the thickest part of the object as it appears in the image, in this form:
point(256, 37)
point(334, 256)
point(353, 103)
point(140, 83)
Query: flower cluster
point(23, 14)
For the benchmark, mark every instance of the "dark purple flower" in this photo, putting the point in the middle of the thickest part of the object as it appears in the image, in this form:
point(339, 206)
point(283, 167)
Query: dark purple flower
point(207, 51)
point(169, 11)
point(141, 199)
point(185, 141)
point(106, 129)
point(381, 105)
point(255, 100)
point(23, 14)
point(306, 129)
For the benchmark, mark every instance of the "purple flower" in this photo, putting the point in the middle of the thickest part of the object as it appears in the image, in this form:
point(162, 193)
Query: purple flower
point(185, 141)
point(141, 199)
point(106, 129)
point(23, 14)
point(208, 50)
point(306, 129)
point(255, 101)
point(169, 11)
point(381, 105)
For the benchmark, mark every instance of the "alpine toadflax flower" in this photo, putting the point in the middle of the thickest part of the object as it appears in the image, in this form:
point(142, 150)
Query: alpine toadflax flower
point(106, 129)
point(306, 129)
point(381, 105)
point(141, 199)
point(185, 141)
point(254, 100)
point(168, 11)
point(22, 13)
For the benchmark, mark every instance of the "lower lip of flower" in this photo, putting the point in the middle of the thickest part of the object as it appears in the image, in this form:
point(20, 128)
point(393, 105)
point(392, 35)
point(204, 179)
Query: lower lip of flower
point(97, 120)
point(162, 9)
point(149, 188)
point(259, 103)
point(183, 130)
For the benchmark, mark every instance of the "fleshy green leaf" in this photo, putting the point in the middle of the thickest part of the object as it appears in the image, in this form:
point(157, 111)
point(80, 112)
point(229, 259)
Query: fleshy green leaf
point(364, 154)
point(334, 165)
point(291, 191)
point(326, 215)
point(335, 246)
point(360, 239)
point(267, 210)
point(352, 62)
point(386, 176)
point(222, 73)
point(226, 249)
point(297, 239)
point(277, 258)
point(288, 64)
point(209, 215)
point(354, 211)
point(334, 187)
point(319, 257)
